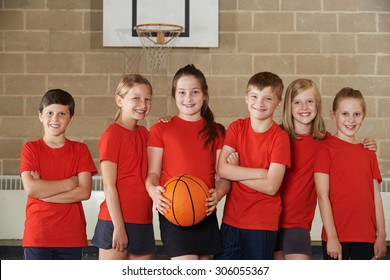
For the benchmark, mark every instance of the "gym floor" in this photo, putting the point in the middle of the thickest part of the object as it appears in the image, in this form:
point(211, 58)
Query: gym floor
point(11, 250)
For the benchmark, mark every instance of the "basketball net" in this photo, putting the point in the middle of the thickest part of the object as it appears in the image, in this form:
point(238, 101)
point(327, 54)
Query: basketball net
point(132, 56)
point(157, 39)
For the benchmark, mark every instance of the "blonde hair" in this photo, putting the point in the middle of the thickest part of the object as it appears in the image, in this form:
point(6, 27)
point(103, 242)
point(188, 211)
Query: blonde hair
point(128, 82)
point(317, 125)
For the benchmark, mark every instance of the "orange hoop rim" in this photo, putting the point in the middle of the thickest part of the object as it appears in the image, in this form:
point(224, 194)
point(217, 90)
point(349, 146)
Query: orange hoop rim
point(169, 27)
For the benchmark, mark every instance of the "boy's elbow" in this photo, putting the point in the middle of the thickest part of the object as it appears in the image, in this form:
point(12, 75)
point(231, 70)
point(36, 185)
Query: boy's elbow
point(272, 192)
point(274, 189)
point(221, 172)
point(83, 191)
point(30, 191)
point(86, 194)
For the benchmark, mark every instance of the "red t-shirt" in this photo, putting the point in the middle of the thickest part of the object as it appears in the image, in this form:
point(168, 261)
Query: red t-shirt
point(183, 150)
point(298, 194)
point(244, 207)
point(55, 224)
point(351, 169)
point(127, 148)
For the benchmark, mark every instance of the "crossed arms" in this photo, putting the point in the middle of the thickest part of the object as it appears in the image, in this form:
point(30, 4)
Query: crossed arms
point(70, 190)
point(267, 181)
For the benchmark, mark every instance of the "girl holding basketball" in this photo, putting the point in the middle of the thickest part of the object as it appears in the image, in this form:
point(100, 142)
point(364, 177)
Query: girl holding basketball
point(124, 229)
point(188, 144)
point(302, 120)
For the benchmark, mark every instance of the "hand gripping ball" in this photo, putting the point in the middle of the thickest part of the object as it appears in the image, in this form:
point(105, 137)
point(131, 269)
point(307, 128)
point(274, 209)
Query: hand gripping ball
point(188, 200)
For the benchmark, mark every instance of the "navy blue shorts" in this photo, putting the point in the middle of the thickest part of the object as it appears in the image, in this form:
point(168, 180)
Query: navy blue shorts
point(294, 241)
point(140, 237)
point(49, 253)
point(352, 251)
point(247, 244)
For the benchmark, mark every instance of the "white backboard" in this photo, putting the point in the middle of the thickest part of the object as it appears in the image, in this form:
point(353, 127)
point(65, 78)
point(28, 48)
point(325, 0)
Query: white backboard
point(198, 17)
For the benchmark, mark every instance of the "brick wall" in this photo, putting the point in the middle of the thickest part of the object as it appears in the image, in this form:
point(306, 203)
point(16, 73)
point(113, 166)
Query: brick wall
point(58, 44)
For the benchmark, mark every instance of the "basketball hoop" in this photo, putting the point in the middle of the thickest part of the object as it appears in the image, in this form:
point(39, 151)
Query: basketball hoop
point(157, 39)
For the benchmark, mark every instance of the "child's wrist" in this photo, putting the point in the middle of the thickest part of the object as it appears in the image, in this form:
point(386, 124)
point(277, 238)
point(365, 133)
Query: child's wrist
point(381, 235)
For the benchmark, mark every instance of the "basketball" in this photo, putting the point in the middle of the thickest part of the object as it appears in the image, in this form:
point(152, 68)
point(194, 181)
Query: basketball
point(188, 200)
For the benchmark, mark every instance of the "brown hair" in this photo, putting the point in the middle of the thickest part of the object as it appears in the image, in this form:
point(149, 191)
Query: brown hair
point(346, 93)
point(211, 130)
point(58, 96)
point(263, 80)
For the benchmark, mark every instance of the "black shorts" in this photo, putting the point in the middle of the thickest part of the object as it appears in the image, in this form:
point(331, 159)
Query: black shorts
point(201, 239)
point(352, 251)
point(294, 241)
point(140, 237)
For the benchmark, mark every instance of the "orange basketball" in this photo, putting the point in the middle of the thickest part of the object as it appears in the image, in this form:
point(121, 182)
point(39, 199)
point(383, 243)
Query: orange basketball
point(188, 200)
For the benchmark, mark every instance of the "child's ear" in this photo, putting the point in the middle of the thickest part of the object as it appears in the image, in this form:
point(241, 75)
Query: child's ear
point(332, 115)
point(40, 116)
point(246, 98)
point(279, 104)
point(118, 100)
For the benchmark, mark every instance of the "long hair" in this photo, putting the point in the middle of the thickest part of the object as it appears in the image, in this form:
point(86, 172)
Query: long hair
point(317, 125)
point(126, 83)
point(211, 130)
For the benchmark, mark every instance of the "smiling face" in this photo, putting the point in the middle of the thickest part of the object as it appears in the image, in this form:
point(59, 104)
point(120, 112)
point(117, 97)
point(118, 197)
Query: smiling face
point(189, 98)
point(304, 110)
point(135, 105)
point(55, 119)
point(349, 117)
point(261, 103)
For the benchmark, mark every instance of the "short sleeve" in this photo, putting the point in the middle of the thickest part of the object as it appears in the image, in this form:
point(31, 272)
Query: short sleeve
point(156, 136)
point(109, 147)
point(232, 134)
point(28, 161)
point(322, 160)
point(86, 163)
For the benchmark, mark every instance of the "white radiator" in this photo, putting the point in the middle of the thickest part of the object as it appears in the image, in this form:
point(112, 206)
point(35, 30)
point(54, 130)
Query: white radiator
point(13, 203)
